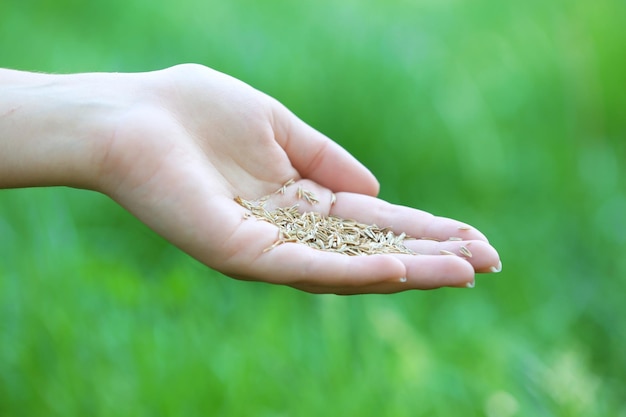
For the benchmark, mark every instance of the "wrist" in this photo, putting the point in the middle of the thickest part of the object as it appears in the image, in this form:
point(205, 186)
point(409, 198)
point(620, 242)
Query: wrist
point(54, 128)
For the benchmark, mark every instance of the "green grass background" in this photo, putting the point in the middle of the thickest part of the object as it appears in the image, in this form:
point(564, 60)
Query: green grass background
point(508, 115)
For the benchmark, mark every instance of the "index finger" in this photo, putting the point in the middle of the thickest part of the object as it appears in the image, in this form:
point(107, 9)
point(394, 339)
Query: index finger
point(415, 223)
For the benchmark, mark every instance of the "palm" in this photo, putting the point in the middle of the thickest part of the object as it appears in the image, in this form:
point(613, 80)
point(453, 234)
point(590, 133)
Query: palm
point(180, 176)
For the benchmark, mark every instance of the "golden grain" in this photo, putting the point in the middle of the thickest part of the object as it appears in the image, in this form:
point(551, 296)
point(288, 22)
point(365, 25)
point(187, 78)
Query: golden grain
point(430, 238)
point(283, 188)
point(328, 233)
point(465, 252)
point(310, 197)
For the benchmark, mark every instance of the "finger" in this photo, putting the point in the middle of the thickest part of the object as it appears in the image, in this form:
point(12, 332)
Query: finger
point(257, 253)
point(482, 256)
point(298, 265)
point(313, 270)
point(423, 273)
point(413, 222)
point(253, 250)
point(320, 159)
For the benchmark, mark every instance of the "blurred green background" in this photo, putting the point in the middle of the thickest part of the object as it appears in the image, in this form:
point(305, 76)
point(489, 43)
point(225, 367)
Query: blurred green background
point(508, 115)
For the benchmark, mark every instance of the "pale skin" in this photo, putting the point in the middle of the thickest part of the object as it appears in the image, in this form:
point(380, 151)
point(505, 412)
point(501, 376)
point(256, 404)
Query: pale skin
point(176, 146)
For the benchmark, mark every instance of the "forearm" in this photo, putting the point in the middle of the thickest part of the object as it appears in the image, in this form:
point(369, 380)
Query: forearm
point(52, 128)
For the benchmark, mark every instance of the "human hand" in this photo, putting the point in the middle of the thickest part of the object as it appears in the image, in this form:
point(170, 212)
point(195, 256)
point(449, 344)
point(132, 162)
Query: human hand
point(175, 147)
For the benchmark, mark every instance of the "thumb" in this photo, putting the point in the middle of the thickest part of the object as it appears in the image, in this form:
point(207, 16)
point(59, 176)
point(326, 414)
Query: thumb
point(318, 158)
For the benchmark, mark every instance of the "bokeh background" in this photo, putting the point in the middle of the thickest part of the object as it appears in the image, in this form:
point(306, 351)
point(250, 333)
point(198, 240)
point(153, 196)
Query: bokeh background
point(508, 115)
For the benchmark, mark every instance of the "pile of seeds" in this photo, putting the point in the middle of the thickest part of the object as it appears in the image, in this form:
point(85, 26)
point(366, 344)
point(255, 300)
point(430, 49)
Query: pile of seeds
point(327, 233)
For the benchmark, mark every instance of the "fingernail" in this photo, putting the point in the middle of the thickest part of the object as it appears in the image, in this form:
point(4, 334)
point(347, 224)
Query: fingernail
point(400, 280)
point(471, 284)
point(498, 268)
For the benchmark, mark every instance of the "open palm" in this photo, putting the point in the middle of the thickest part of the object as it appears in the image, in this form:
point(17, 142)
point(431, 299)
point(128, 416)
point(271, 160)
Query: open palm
point(198, 138)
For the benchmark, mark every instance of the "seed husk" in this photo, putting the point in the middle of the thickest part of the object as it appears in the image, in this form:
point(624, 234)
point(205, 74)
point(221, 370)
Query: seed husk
point(327, 233)
point(283, 188)
point(307, 195)
point(465, 252)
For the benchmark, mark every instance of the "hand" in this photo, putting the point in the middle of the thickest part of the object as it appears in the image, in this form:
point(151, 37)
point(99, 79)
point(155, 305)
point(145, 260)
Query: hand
point(175, 147)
